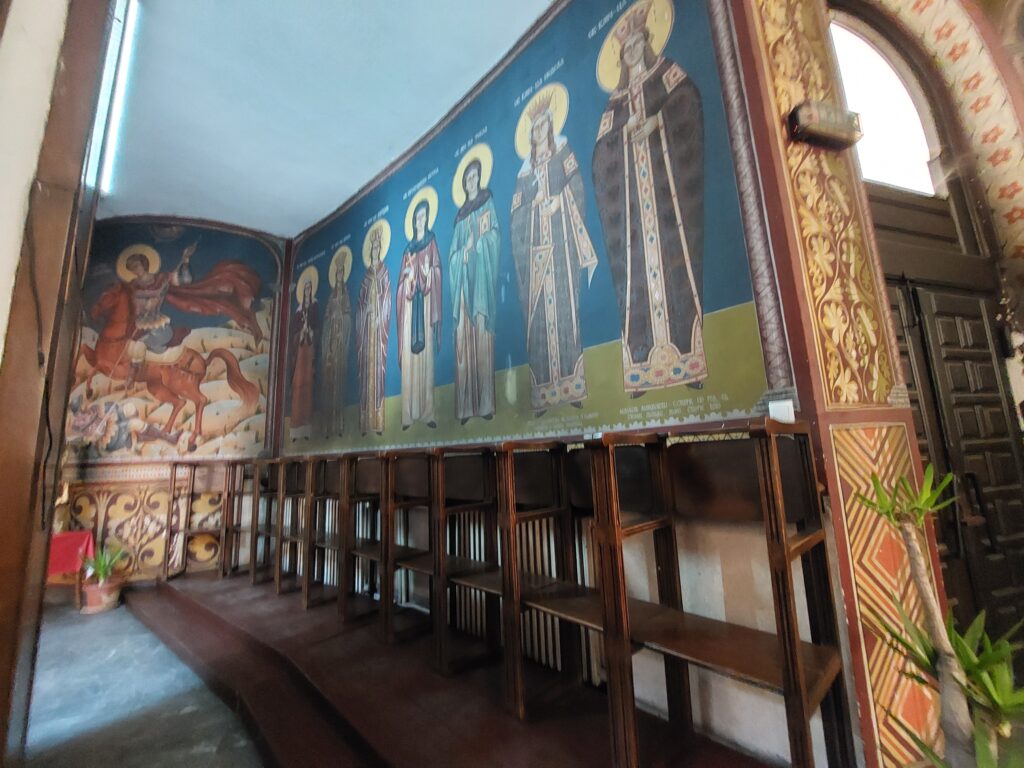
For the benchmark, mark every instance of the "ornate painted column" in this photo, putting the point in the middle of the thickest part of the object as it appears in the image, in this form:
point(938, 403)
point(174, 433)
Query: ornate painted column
point(840, 333)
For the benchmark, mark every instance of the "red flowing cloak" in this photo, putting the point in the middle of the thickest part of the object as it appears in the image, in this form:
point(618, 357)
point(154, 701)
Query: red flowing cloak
point(229, 289)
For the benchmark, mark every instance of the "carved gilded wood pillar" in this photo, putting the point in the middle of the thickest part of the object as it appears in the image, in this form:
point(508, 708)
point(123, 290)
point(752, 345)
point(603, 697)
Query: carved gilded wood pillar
point(840, 332)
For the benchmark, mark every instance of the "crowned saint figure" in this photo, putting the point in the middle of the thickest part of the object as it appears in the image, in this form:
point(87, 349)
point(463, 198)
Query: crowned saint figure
point(649, 181)
point(373, 322)
point(550, 247)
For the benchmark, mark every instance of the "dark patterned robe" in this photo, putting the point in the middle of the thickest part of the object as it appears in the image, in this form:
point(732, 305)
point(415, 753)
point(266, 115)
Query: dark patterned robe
point(550, 245)
point(650, 194)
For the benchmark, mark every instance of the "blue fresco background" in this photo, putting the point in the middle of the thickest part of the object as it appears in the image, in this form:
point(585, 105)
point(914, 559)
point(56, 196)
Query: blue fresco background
point(726, 270)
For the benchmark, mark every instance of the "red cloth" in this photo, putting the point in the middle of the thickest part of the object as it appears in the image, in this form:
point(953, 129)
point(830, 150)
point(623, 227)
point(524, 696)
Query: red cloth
point(229, 289)
point(67, 551)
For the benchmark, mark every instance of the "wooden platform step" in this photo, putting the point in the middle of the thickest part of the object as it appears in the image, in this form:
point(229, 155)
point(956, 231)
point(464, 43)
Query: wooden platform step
point(256, 682)
point(414, 717)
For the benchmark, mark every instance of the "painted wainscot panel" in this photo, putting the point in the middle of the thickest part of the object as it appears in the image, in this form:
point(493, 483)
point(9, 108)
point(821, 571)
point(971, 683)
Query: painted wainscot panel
point(566, 256)
point(176, 343)
point(131, 509)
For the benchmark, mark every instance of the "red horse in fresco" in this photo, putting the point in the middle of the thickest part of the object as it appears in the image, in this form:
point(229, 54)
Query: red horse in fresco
point(229, 290)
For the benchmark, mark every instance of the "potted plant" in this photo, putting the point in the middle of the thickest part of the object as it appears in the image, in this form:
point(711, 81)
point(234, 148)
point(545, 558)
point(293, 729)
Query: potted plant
point(972, 673)
point(102, 586)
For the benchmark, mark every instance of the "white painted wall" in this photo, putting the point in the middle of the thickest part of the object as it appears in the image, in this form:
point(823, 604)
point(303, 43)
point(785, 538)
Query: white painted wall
point(29, 50)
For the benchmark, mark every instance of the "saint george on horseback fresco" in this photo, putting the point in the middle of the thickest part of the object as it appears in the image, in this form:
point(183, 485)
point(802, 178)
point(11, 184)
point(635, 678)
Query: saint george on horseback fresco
point(145, 355)
point(229, 289)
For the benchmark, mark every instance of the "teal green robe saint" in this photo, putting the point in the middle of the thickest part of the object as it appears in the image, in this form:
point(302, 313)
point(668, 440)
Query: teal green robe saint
point(473, 277)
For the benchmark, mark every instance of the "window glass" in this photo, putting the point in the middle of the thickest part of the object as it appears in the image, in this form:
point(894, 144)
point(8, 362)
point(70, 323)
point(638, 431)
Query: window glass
point(894, 149)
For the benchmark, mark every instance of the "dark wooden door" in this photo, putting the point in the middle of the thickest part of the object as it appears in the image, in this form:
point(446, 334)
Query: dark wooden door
point(983, 444)
point(943, 293)
point(956, 572)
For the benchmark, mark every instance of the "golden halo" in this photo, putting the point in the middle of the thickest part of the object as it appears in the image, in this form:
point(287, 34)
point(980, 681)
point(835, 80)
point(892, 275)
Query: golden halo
point(151, 254)
point(430, 195)
point(385, 240)
point(345, 254)
point(310, 275)
point(660, 18)
point(559, 109)
point(482, 153)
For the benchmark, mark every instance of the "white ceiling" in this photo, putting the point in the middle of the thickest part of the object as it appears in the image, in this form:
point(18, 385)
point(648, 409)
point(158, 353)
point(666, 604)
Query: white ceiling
point(271, 113)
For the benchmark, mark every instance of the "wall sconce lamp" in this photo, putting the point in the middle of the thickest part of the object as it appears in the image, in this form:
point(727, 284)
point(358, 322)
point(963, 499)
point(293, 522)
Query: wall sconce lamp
point(824, 125)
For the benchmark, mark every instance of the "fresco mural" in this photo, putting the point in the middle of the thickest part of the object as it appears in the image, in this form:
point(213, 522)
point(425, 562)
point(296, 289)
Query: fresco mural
point(176, 343)
point(418, 303)
point(473, 261)
point(335, 340)
point(649, 180)
point(586, 272)
point(373, 324)
point(551, 247)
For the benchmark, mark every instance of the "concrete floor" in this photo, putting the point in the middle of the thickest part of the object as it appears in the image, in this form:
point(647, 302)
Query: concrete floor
point(108, 692)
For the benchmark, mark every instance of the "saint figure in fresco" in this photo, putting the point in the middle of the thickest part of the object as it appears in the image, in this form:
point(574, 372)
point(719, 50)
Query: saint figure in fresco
point(373, 325)
point(550, 246)
point(473, 274)
point(149, 289)
point(418, 302)
point(335, 339)
point(305, 335)
point(229, 289)
point(137, 343)
point(649, 180)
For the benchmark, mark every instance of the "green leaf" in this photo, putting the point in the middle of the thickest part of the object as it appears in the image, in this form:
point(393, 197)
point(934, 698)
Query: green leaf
point(881, 497)
point(973, 635)
point(1009, 634)
point(926, 483)
point(925, 749)
point(982, 748)
point(919, 679)
point(911, 642)
point(944, 483)
point(997, 655)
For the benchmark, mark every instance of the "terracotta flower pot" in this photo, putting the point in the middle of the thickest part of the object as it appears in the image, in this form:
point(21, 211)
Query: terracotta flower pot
point(101, 597)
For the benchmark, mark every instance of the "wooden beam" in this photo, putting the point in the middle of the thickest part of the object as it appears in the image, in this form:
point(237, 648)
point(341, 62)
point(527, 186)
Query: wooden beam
point(38, 359)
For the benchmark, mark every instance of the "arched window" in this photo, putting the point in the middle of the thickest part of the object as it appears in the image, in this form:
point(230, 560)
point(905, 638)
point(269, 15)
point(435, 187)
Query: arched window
point(895, 149)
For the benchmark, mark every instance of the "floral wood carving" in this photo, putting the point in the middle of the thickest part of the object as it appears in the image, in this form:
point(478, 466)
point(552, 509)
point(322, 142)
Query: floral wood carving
point(847, 308)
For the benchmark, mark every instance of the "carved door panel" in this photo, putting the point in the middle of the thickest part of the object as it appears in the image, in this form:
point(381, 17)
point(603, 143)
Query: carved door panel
point(931, 443)
point(982, 444)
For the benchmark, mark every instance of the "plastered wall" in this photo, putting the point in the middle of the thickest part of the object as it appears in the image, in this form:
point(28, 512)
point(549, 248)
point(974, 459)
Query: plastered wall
point(724, 572)
point(29, 50)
